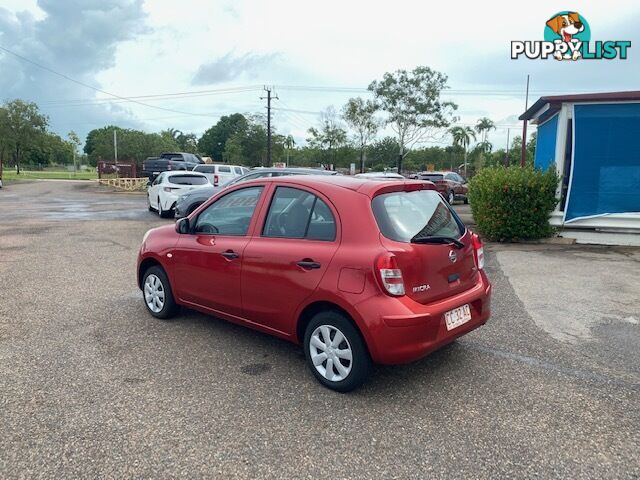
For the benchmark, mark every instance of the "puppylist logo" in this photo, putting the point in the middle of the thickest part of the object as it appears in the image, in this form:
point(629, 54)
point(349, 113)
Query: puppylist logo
point(567, 36)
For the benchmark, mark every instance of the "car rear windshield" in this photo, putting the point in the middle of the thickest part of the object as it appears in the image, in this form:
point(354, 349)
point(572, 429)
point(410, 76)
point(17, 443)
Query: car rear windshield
point(188, 180)
point(432, 177)
point(403, 216)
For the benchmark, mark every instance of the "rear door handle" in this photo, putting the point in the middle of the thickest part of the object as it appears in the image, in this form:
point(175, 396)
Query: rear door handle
point(308, 264)
point(230, 254)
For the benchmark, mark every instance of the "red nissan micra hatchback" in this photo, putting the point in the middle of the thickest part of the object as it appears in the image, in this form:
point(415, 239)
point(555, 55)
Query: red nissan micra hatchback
point(355, 270)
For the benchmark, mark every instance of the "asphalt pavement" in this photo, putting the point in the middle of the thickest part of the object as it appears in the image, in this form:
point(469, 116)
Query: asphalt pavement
point(91, 386)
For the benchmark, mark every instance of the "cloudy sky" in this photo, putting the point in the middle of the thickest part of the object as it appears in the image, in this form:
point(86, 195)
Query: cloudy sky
point(184, 64)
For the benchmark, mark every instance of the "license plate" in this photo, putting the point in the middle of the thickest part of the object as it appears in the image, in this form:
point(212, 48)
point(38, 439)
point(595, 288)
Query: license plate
point(458, 316)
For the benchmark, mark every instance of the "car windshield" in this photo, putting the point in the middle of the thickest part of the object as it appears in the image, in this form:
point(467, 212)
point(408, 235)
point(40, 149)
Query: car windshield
point(188, 180)
point(405, 216)
point(432, 177)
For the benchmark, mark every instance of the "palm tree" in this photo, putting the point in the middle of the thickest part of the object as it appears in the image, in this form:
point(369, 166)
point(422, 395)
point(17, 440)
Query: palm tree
point(289, 143)
point(462, 137)
point(483, 127)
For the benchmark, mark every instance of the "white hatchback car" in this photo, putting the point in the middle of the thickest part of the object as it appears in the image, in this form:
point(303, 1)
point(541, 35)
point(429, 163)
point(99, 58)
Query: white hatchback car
point(168, 186)
point(218, 174)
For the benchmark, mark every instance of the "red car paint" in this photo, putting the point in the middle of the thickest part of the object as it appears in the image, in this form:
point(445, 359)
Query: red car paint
point(265, 289)
point(447, 183)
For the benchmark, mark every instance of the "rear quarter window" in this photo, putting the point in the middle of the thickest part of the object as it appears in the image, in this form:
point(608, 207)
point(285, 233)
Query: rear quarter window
point(223, 169)
point(402, 216)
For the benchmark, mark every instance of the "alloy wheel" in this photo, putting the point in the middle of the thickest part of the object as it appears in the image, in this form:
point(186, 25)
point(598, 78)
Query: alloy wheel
point(154, 293)
point(331, 353)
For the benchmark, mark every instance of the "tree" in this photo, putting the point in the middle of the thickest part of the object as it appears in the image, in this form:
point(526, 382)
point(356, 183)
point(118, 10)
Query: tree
point(186, 142)
point(483, 127)
point(413, 105)
point(25, 126)
point(248, 144)
point(289, 143)
point(462, 137)
point(360, 116)
point(75, 142)
point(133, 145)
point(213, 141)
point(4, 136)
point(329, 136)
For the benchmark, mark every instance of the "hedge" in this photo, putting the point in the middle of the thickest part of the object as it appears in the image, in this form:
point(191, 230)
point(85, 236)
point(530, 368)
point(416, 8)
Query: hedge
point(513, 203)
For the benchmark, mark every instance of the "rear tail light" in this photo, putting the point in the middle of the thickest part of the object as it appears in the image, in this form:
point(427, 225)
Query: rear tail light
point(216, 179)
point(390, 275)
point(168, 166)
point(478, 251)
point(170, 189)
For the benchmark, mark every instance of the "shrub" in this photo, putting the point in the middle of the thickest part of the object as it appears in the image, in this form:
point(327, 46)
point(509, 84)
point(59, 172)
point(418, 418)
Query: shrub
point(513, 203)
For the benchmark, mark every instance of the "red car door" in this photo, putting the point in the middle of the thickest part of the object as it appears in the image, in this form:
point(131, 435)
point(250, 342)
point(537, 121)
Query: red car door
point(287, 257)
point(207, 262)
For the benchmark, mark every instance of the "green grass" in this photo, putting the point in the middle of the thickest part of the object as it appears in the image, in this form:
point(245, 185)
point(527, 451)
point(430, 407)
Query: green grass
point(10, 174)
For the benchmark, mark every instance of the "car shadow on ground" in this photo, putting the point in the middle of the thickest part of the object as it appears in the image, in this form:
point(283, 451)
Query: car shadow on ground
point(262, 353)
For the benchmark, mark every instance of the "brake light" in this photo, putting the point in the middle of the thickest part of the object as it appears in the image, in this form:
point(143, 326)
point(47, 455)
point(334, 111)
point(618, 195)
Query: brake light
point(170, 189)
point(478, 251)
point(390, 275)
point(215, 180)
point(168, 166)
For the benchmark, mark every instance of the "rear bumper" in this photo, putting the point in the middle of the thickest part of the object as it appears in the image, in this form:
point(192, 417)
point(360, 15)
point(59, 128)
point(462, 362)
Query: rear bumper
point(403, 331)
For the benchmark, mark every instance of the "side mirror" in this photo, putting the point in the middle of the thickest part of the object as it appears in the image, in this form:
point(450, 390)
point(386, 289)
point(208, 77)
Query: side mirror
point(182, 225)
point(148, 182)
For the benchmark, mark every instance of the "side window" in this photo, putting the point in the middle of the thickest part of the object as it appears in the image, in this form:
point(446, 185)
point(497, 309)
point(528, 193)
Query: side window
point(295, 213)
point(322, 225)
point(450, 176)
point(237, 170)
point(224, 169)
point(229, 215)
point(158, 179)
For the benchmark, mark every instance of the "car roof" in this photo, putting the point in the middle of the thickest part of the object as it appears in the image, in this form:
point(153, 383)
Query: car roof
point(360, 185)
point(435, 173)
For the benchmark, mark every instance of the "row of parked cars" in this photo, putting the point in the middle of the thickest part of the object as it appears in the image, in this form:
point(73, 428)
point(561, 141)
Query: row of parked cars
point(358, 270)
point(179, 190)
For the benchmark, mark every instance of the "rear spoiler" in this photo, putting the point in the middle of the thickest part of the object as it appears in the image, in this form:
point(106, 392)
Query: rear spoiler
point(408, 186)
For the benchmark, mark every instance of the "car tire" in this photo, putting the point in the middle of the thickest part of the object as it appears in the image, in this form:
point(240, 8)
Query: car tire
point(466, 200)
point(192, 208)
point(350, 352)
point(161, 212)
point(451, 197)
point(157, 294)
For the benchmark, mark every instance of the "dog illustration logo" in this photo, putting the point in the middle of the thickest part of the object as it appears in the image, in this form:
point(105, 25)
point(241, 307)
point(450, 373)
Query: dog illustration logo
point(567, 36)
point(562, 27)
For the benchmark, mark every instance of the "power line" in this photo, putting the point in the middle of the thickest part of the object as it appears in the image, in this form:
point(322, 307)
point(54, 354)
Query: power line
point(66, 77)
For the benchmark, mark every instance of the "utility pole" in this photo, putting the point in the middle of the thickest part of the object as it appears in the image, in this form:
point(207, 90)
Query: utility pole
point(523, 157)
point(269, 98)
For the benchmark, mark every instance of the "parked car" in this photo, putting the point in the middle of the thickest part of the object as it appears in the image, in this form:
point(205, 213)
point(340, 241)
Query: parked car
point(300, 258)
point(163, 192)
point(152, 166)
point(451, 185)
point(384, 175)
point(189, 201)
point(220, 174)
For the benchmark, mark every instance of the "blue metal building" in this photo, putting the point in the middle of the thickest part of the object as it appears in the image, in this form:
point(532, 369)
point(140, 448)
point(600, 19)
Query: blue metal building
point(593, 140)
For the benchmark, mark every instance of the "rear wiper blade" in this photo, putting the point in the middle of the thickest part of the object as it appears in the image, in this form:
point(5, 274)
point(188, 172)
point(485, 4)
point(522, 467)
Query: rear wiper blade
point(438, 239)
